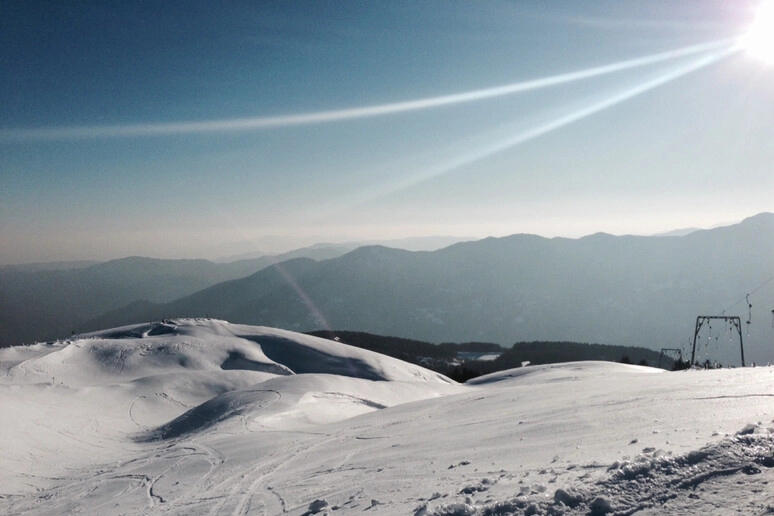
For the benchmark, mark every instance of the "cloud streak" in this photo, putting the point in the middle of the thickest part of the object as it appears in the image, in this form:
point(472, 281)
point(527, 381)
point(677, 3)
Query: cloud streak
point(321, 117)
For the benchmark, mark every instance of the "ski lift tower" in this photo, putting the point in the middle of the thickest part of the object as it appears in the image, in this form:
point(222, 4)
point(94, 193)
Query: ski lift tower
point(705, 319)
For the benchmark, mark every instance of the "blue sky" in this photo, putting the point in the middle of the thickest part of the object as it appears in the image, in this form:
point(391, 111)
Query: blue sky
point(120, 123)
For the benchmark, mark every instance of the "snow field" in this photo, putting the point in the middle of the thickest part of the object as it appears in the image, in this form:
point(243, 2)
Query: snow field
point(148, 420)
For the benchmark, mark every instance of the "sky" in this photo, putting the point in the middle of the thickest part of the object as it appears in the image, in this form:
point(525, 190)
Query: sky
point(194, 129)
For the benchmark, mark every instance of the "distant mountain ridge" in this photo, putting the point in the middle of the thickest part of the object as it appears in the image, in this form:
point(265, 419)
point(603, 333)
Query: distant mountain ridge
point(622, 290)
point(319, 251)
point(48, 301)
point(47, 266)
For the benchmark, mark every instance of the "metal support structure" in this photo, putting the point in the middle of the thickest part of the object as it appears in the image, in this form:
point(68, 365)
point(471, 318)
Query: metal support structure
point(674, 351)
point(700, 320)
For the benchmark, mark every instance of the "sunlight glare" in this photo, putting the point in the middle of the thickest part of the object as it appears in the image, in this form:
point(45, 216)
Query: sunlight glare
point(759, 40)
point(319, 117)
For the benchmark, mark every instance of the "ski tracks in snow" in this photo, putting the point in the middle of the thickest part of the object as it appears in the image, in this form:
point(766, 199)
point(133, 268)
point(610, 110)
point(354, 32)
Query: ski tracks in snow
point(165, 479)
point(255, 491)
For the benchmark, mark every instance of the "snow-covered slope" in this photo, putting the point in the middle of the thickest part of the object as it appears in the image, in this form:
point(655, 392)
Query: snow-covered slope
point(206, 417)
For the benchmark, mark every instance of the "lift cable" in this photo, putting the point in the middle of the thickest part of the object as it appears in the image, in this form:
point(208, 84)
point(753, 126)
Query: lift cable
point(747, 296)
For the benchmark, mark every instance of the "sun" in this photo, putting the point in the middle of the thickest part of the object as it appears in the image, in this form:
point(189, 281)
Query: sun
point(759, 40)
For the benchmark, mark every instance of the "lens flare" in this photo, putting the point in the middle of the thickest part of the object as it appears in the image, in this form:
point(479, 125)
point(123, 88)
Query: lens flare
point(302, 294)
point(320, 117)
point(547, 127)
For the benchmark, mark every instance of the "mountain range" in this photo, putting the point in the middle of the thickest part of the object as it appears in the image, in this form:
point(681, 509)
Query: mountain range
point(41, 302)
point(620, 290)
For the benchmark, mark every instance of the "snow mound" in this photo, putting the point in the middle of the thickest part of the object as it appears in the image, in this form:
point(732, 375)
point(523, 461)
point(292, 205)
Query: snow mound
point(214, 410)
point(305, 354)
point(294, 403)
point(183, 345)
point(566, 371)
point(94, 393)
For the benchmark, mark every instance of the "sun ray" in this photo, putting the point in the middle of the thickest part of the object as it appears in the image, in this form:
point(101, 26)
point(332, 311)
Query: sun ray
point(319, 117)
point(545, 128)
point(302, 294)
